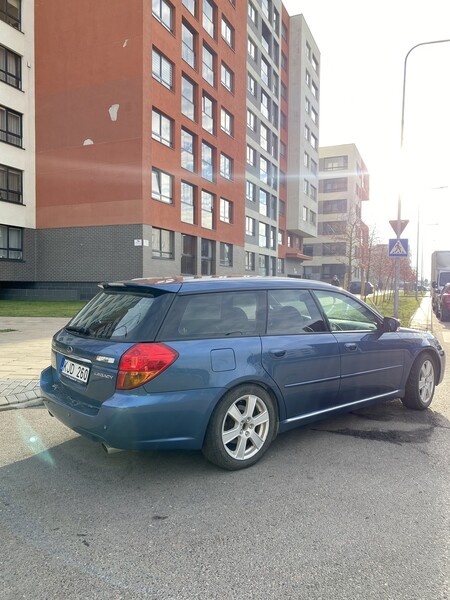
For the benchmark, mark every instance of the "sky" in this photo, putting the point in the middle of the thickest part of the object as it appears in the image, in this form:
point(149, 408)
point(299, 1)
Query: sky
point(363, 47)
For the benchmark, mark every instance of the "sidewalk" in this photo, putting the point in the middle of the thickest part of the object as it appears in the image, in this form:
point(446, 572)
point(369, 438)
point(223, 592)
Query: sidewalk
point(25, 345)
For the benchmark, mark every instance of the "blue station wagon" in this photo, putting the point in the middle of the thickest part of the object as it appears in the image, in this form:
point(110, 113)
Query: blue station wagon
point(225, 364)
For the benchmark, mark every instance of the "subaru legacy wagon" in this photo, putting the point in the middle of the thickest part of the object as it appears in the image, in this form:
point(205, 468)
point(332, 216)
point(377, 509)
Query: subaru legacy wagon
point(225, 364)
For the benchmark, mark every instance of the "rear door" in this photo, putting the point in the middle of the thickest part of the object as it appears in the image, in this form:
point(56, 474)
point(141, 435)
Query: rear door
point(300, 354)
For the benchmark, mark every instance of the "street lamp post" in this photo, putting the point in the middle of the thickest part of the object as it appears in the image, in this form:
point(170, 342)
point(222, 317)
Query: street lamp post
point(399, 203)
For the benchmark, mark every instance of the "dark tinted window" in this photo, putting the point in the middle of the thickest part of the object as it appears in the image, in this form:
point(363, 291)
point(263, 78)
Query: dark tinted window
point(291, 312)
point(122, 316)
point(221, 314)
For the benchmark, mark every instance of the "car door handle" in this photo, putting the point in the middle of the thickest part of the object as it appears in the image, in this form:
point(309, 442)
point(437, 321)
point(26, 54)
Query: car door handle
point(351, 347)
point(277, 353)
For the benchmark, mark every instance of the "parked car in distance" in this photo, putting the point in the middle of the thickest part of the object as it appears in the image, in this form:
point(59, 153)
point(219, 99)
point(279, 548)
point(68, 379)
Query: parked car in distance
point(356, 286)
point(225, 364)
point(443, 303)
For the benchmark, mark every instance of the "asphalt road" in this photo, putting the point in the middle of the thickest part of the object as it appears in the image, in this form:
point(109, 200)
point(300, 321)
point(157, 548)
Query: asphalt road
point(356, 507)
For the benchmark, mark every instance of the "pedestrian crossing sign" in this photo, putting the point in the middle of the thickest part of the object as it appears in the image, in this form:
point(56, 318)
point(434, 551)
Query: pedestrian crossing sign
point(398, 247)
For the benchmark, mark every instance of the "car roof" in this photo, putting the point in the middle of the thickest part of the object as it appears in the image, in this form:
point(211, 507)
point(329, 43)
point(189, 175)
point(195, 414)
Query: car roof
point(189, 284)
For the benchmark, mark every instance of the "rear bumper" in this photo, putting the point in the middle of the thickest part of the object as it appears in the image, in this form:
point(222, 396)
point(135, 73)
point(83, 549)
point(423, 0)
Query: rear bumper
point(171, 420)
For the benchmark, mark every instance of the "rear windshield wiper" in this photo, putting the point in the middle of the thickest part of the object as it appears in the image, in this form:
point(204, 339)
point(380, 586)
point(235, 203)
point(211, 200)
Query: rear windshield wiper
point(82, 330)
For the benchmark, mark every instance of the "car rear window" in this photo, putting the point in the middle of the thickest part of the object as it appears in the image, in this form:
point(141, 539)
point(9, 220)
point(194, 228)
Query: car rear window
point(218, 314)
point(122, 316)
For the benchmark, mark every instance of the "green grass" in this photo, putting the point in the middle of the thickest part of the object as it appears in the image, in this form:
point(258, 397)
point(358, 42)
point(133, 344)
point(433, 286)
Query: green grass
point(37, 308)
point(407, 306)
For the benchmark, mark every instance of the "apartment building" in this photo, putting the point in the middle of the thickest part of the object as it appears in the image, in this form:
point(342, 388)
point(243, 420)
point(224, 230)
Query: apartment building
point(339, 246)
point(17, 141)
point(166, 143)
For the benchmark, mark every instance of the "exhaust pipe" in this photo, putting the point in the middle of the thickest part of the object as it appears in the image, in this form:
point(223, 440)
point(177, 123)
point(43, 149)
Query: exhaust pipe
point(110, 449)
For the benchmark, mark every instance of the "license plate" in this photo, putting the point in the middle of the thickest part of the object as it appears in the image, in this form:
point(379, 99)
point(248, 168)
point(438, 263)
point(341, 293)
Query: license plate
point(75, 371)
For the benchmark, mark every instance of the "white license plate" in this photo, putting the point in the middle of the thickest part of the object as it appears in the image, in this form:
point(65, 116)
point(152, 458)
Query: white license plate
point(75, 371)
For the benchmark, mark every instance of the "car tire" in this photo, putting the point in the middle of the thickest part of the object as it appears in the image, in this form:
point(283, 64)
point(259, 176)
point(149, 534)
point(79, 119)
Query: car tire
point(421, 383)
point(241, 428)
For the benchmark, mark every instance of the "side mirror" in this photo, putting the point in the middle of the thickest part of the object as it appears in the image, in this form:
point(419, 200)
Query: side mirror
point(434, 285)
point(390, 324)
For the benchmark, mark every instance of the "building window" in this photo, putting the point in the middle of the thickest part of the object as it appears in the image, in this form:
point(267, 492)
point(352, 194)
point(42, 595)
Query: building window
point(11, 243)
point(313, 166)
point(187, 150)
point(308, 51)
point(207, 162)
point(334, 163)
point(282, 208)
point(162, 243)
point(250, 191)
point(307, 106)
point(207, 219)
point(207, 114)
point(10, 185)
point(314, 142)
point(265, 105)
point(190, 5)
point(312, 217)
point(315, 63)
point(226, 77)
point(226, 255)
point(251, 49)
point(264, 137)
point(280, 265)
point(226, 166)
point(162, 186)
point(251, 11)
point(250, 261)
point(162, 128)
point(251, 120)
point(162, 10)
point(284, 32)
point(251, 157)
point(263, 265)
point(251, 85)
point(281, 238)
point(333, 206)
point(227, 32)
point(187, 203)
point(284, 92)
point(208, 17)
point(306, 186)
point(226, 210)
point(189, 253)
point(10, 67)
point(250, 226)
point(162, 69)
point(10, 126)
point(263, 235)
point(338, 184)
point(264, 169)
point(188, 98)
point(315, 90)
point(10, 12)
point(226, 121)
point(263, 202)
point(188, 45)
point(313, 192)
point(208, 65)
point(207, 265)
point(265, 72)
point(283, 150)
point(265, 8)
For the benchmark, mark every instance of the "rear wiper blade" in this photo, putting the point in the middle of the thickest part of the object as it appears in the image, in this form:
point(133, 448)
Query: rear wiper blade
point(82, 330)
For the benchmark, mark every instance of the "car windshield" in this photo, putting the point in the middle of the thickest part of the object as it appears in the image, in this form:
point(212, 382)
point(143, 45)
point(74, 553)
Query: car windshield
point(122, 316)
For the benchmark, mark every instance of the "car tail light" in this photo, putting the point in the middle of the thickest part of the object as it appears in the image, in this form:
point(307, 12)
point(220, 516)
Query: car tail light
point(143, 362)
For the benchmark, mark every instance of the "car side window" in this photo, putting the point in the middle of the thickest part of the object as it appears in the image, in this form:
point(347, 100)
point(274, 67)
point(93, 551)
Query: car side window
point(212, 315)
point(292, 312)
point(345, 313)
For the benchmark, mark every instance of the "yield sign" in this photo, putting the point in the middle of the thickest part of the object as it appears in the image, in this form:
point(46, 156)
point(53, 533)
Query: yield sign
point(398, 247)
point(395, 226)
